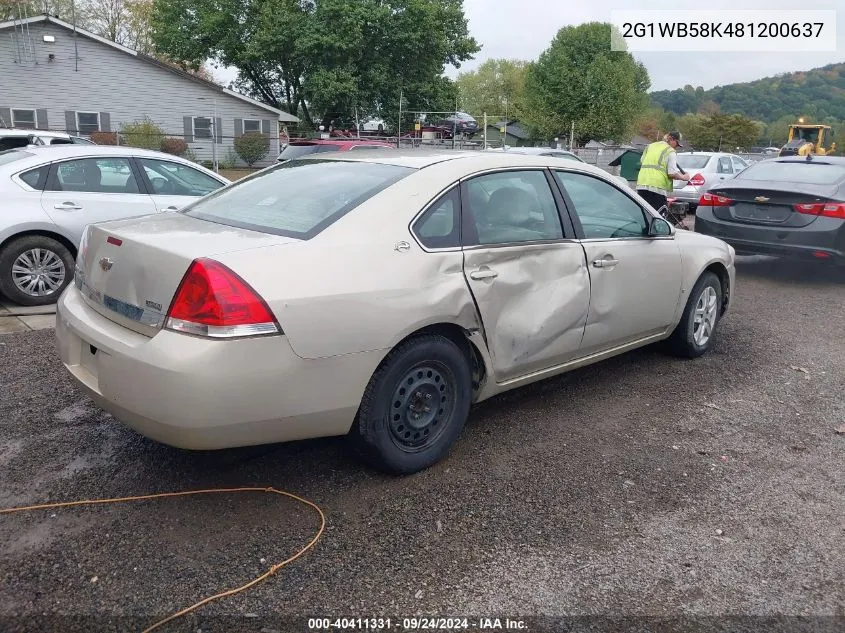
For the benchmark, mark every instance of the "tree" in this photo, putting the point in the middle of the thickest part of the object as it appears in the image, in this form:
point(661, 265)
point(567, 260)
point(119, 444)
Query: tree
point(719, 131)
point(328, 56)
point(252, 147)
point(578, 78)
point(497, 87)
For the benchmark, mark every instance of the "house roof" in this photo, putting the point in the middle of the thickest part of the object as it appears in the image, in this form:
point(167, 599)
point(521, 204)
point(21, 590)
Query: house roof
point(281, 114)
point(515, 128)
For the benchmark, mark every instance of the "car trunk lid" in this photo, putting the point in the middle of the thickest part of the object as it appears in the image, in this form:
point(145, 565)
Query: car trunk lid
point(129, 270)
point(762, 204)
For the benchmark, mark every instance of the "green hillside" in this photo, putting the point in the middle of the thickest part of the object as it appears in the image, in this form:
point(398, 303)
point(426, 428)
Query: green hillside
point(818, 94)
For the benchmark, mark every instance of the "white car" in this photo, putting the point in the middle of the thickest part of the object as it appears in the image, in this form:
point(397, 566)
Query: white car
point(14, 138)
point(707, 169)
point(51, 193)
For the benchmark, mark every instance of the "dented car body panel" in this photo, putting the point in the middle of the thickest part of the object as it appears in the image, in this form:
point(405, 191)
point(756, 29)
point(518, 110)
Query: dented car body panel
point(349, 294)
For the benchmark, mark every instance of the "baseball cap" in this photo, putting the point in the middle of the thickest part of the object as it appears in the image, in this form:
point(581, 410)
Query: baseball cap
point(677, 137)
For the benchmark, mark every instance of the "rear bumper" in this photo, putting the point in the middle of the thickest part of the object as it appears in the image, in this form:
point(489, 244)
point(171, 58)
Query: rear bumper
point(823, 240)
point(193, 393)
point(687, 194)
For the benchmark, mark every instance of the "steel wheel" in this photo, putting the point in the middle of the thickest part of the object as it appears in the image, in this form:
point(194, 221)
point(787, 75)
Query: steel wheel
point(422, 401)
point(38, 272)
point(705, 315)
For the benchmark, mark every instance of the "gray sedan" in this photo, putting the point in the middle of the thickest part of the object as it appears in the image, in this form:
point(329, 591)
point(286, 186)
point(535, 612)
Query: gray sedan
point(793, 207)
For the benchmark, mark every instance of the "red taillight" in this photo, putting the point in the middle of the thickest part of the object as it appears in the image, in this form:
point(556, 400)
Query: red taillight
point(697, 180)
point(214, 301)
point(825, 209)
point(709, 200)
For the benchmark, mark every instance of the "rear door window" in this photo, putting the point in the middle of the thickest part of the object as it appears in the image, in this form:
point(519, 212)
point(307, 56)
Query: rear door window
point(94, 175)
point(439, 226)
point(297, 198)
point(725, 166)
point(36, 178)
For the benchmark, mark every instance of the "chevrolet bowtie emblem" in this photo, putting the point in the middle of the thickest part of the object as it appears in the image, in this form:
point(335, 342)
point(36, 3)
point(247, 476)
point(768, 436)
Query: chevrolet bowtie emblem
point(761, 199)
point(106, 264)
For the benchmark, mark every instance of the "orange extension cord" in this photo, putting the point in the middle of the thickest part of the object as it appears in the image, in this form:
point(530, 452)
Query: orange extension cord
point(223, 594)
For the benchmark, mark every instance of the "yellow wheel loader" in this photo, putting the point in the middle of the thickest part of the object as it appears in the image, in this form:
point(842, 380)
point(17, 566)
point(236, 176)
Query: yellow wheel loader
point(807, 139)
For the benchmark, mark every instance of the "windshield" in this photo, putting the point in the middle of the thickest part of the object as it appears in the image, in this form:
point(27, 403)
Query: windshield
point(297, 198)
point(295, 151)
point(812, 173)
point(692, 161)
point(10, 156)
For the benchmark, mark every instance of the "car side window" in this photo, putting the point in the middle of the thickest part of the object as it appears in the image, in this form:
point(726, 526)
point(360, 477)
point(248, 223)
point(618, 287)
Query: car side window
point(439, 226)
point(511, 207)
point(176, 179)
point(36, 178)
point(725, 166)
point(95, 175)
point(603, 210)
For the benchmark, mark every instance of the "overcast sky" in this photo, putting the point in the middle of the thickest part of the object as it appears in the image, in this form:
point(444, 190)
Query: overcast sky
point(522, 29)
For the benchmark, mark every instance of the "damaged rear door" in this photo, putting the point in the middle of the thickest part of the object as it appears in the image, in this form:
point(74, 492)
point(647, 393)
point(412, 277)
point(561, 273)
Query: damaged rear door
point(528, 277)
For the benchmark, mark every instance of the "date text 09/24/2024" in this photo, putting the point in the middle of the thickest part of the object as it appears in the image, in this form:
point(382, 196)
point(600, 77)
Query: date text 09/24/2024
point(416, 624)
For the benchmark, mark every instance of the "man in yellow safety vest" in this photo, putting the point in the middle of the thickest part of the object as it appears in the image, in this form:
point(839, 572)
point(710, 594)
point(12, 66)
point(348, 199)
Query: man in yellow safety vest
point(659, 167)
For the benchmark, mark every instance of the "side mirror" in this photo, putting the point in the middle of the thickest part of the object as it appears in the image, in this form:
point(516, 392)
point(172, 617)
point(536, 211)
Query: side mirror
point(658, 227)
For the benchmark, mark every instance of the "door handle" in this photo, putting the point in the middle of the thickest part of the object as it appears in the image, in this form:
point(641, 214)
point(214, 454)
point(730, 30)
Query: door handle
point(483, 273)
point(605, 263)
point(67, 206)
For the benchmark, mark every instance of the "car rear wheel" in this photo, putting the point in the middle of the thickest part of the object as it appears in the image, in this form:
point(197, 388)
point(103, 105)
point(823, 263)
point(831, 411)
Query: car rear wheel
point(415, 406)
point(34, 270)
point(695, 333)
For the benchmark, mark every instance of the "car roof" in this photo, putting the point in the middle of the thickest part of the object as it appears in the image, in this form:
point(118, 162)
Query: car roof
point(336, 141)
point(55, 152)
point(41, 154)
point(533, 150)
point(832, 160)
point(471, 159)
point(25, 132)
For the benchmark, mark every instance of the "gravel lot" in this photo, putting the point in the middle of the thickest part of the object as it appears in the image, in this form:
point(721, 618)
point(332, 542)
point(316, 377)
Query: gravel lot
point(644, 486)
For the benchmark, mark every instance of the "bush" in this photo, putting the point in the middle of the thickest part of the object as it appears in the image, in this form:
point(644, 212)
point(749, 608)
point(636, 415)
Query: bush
point(252, 147)
point(104, 138)
point(191, 155)
point(175, 146)
point(207, 164)
point(142, 133)
point(230, 161)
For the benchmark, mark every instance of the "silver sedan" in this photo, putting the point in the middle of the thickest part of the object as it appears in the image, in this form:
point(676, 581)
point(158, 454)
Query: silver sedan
point(377, 294)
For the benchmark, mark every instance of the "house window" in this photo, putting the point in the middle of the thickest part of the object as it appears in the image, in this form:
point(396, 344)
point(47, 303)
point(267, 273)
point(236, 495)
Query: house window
point(202, 127)
point(87, 122)
point(252, 125)
point(23, 118)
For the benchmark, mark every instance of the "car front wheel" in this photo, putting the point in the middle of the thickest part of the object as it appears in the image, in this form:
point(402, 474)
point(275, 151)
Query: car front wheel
point(695, 333)
point(34, 270)
point(415, 406)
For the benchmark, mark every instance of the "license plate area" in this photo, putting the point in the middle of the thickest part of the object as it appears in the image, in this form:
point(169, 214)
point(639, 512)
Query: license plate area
point(762, 213)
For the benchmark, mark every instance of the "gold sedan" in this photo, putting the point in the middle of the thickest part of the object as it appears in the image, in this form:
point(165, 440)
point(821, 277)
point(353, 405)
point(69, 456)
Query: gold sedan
point(378, 294)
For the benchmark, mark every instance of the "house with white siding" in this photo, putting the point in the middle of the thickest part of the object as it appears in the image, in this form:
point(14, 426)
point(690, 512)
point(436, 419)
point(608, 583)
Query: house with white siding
point(54, 76)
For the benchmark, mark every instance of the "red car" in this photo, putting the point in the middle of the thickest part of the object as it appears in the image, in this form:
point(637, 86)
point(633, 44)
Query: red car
point(295, 149)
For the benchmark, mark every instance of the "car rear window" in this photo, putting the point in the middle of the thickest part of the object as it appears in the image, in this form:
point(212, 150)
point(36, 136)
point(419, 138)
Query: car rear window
point(297, 198)
point(813, 173)
point(10, 156)
point(692, 161)
point(295, 151)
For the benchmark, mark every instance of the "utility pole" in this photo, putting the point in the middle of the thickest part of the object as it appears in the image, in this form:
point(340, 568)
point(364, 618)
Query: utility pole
point(485, 130)
point(571, 135)
point(399, 124)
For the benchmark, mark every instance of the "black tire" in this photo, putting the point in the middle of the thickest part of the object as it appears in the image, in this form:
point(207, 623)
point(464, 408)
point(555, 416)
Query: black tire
point(389, 436)
point(682, 342)
point(15, 249)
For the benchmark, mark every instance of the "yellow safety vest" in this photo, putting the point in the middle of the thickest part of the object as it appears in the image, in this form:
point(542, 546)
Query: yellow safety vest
point(653, 174)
